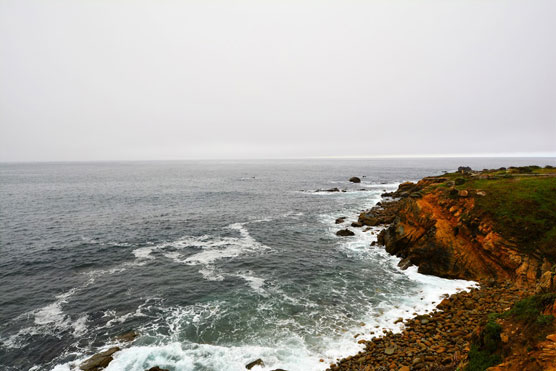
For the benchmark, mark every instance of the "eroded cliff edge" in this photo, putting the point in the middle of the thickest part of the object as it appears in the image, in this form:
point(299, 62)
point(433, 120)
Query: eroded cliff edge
point(497, 227)
point(488, 225)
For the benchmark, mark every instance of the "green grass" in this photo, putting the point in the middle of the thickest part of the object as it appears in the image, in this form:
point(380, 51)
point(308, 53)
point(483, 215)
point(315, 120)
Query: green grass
point(523, 210)
point(487, 348)
point(483, 353)
point(529, 310)
point(520, 201)
point(480, 360)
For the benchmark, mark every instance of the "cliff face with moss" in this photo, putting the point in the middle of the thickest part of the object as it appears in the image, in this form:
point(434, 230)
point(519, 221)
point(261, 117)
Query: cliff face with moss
point(490, 225)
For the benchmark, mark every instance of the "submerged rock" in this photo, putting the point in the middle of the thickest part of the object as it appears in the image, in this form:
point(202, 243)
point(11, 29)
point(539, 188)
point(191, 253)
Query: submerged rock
point(344, 233)
point(127, 337)
point(355, 179)
point(99, 360)
point(340, 220)
point(257, 362)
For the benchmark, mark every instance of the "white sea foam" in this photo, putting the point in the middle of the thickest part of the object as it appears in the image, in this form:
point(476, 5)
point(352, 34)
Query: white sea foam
point(51, 319)
point(210, 273)
point(217, 248)
point(187, 356)
point(52, 313)
point(48, 320)
point(256, 283)
point(213, 248)
point(290, 352)
point(144, 252)
point(80, 326)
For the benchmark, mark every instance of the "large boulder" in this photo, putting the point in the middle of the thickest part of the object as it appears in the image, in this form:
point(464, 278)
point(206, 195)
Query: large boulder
point(99, 360)
point(355, 179)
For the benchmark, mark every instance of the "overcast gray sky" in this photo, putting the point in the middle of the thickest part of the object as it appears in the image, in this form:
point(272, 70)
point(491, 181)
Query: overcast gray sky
point(162, 79)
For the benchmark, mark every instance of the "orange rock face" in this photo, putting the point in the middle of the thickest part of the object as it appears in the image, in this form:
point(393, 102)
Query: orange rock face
point(443, 236)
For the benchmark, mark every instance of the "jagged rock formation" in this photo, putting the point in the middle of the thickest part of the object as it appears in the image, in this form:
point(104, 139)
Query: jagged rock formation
point(446, 232)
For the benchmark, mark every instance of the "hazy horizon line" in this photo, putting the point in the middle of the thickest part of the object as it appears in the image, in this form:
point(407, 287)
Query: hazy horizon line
point(330, 157)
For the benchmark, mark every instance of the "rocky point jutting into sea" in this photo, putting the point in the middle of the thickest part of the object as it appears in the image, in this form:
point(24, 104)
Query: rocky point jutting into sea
point(497, 227)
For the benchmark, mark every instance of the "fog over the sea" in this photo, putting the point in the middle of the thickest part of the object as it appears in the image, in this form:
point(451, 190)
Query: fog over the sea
point(163, 79)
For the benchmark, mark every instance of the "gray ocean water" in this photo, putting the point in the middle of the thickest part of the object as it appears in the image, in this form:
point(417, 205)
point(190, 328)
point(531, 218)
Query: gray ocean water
point(214, 263)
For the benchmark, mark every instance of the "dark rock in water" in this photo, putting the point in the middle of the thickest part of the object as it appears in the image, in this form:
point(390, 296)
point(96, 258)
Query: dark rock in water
point(328, 190)
point(356, 225)
point(156, 368)
point(373, 243)
point(344, 232)
point(278, 369)
point(99, 360)
point(355, 179)
point(340, 220)
point(127, 337)
point(257, 362)
point(404, 263)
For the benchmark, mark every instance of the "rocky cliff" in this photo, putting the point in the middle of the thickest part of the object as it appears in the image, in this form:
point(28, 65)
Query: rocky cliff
point(497, 227)
point(473, 225)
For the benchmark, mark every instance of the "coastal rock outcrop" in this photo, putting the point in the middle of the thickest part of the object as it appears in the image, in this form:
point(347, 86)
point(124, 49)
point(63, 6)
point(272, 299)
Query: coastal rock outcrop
point(344, 233)
point(449, 234)
point(257, 362)
point(99, 361)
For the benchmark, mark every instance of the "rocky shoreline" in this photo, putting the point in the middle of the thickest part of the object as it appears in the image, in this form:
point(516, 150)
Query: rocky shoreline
point(456, 226)
point(439, 340)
